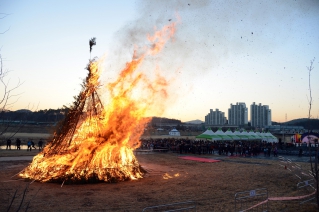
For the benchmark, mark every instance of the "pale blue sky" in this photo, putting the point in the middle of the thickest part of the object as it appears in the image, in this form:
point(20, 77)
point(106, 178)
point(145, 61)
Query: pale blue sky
point(223, 51)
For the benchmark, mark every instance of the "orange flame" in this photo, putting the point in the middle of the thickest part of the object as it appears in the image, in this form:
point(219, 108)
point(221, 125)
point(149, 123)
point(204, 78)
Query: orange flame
point(160, 37)
point(101, 146)
point(167, 176)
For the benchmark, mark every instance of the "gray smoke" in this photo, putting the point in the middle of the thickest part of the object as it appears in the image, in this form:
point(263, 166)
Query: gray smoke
point(210, 30)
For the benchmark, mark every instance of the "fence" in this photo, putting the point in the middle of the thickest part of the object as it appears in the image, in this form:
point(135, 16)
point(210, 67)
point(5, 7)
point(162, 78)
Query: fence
point(306, 184)
point(246, 199)
point(179, 206)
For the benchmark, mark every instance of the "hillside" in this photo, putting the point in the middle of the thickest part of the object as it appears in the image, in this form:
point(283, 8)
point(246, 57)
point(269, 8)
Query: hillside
point(312, 124)
point(197, 121)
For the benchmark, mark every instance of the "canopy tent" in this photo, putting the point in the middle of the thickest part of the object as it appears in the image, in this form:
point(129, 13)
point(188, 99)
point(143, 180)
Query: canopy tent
point(268, 137)
point(209, 134)
point(174, 132)
point(259, 135)
point(262, 136)
point(265, 136)
point(232, 135)
point(253, 135)
point(219, 135)
point(311, 137)
point(271, 137)
point(245, 133)
point(224, 137)
point(241, 135)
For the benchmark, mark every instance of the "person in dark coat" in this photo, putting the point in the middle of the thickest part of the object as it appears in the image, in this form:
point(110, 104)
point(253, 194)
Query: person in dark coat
point(40, 144)
point(9, 144)
point(18, 143)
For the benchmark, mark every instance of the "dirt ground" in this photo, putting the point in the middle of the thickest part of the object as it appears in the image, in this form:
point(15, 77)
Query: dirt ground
point(210, 186)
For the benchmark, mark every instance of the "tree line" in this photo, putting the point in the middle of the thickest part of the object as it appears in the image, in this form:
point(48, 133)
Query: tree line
point(33, 117)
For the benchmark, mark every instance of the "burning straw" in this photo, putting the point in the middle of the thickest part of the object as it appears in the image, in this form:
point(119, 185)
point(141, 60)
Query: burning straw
point(95, 142)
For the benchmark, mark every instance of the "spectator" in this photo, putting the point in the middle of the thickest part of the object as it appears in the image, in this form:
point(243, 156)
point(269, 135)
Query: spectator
point(268, 151)
point(9, 144)
point(29, 145)
point(300, 152)
point(236, 149)
point(18, 143)
point(32, 144)
point(275, 151)
point(40, 144)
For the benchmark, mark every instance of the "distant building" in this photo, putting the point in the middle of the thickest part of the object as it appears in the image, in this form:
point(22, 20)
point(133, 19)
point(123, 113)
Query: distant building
point(260, 115)
point(215, 118)
point(238, 114)
point(174, 132)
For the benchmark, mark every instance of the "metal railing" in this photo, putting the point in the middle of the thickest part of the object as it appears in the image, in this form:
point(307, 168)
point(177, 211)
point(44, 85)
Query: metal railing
point(178, 206)
point(307, 184)
point(250, 199)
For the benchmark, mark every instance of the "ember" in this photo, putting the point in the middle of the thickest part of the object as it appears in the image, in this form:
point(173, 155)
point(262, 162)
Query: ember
point(95, 142)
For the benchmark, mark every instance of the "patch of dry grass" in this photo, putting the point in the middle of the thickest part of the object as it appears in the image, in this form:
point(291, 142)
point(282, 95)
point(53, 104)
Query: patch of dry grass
point(169, 179)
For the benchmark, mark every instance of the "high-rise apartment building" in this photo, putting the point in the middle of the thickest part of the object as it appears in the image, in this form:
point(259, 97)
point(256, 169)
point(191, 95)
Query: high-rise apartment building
point(238, 114)
point(215, 118)
point(260, 115)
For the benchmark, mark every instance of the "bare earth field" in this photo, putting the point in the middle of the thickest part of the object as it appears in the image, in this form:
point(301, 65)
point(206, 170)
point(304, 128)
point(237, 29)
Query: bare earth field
point(212, 186)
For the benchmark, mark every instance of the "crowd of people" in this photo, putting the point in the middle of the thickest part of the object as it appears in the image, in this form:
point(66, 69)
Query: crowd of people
point(30, 144)
point(231, 148)
point(188, 146)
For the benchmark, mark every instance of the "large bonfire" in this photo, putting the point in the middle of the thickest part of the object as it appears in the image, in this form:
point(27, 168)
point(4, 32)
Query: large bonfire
point(96, 140)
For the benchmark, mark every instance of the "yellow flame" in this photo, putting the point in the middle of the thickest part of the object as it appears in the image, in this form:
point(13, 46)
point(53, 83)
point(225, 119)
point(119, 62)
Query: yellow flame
point(102, 144)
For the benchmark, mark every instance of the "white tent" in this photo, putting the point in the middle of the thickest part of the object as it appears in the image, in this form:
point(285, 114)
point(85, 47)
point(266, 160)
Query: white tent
point(245, 133)
point(262, 136)
point(223, 136)
point(271, 137)
point(174, 132)
point(232, 135)
point(238, 134)
point(268, 137)
point(254, 135)
point(265, 136)
point(241, 135)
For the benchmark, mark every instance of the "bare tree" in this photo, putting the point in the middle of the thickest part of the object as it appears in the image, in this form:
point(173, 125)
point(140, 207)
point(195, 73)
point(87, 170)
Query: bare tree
point(2, 16)
point(313, 161)
point(7, 98)
point(8, 95)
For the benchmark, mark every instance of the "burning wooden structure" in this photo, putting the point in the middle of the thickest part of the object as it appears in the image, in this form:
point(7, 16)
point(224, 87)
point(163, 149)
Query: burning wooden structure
point(94, 142)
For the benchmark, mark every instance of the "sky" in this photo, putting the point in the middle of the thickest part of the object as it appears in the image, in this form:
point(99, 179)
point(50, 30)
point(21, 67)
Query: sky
point(222, 52)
